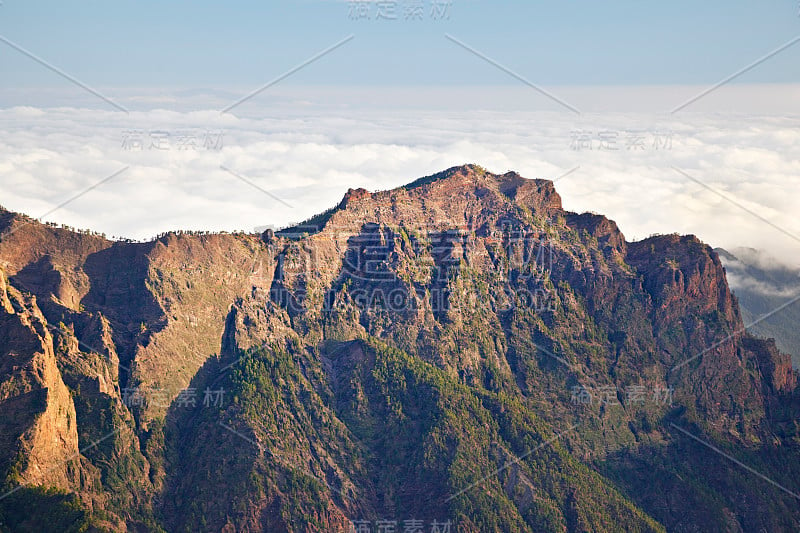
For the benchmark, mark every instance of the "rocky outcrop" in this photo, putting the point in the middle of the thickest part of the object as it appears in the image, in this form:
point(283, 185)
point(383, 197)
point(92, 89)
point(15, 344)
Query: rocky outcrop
point(39, 429)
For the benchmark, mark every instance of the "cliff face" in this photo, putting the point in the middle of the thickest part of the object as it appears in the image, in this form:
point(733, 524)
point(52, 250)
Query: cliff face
point(40, 440)
point(382, 357)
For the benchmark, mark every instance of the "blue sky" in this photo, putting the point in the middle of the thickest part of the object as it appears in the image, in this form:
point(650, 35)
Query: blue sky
point(213, 44)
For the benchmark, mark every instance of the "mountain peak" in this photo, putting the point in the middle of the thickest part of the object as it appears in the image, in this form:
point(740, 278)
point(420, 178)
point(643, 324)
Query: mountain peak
point(511, 184)
point(462, 195)
point(353, 194)
point(471, 172)
point(466, 170)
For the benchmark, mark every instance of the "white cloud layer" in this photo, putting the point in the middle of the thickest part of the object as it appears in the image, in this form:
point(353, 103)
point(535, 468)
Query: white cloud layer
point(308, 155)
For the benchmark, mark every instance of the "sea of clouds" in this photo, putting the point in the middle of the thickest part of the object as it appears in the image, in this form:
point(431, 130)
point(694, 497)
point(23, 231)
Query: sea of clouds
point(730, 174)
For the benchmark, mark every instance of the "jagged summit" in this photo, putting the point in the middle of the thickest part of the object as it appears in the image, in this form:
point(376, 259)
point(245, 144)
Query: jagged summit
point(465, 195)
point(463, 170)
point(467, 176)
point(479, 175)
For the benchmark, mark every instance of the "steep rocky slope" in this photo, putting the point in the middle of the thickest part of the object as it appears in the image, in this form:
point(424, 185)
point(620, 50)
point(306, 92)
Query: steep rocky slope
point(40, 439)
point(457, 349)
